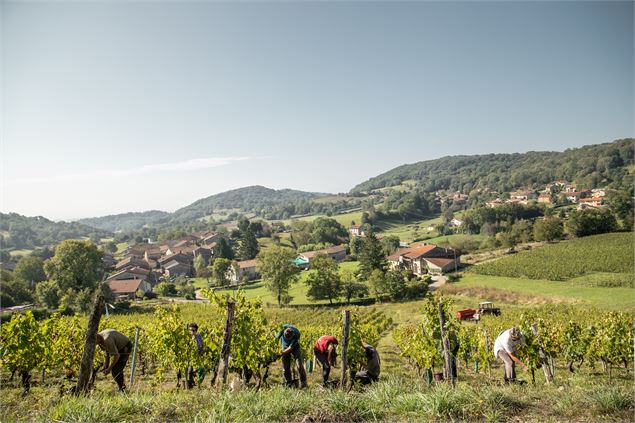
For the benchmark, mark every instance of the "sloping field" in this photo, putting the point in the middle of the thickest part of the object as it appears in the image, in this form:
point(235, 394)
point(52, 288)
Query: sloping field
point(610, 253)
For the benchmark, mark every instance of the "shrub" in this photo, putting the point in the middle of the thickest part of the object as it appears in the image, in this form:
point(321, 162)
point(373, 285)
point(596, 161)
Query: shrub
point(166, 289)
point(454, 277)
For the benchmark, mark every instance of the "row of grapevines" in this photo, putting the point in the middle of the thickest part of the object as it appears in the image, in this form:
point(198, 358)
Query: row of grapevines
point(560, 332)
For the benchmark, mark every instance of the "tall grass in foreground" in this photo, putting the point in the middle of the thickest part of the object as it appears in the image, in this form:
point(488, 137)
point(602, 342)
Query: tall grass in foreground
point(390, 399)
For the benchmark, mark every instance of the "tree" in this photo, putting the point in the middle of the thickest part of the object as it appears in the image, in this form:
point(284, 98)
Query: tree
point(390, 244)
point(507, 239)
point(351, 287)
point(523, 231)
point(223, 250)
point(47, 294)
point(324, 282)
point(13, 291)
point(166, 289)
point(219, 271)
point(548, 229)
point(377, 283)
point(201, 268)
point(324, 229)
point(278, 271)
point(248, 245)
point(371, 257)
point(243, 225)
point(355, 245)
point(110, 247)
point(30, 269)
point(590, 222)
point(621, 204)
point(5, 256)
point(300, 233)
point(76, 264)
point(395, 284)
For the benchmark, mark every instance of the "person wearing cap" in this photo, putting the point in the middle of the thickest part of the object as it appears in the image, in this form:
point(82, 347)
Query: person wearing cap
point(505, 349)
point(370, 371)
point(289, 338)
point(117, 346)
point(325, 353)
point(193, 328)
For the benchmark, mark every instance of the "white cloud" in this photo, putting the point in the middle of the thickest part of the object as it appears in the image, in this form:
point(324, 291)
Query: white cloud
point(187, 165)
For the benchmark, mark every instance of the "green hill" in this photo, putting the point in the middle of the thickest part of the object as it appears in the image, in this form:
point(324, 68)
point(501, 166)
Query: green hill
point(126, 222)
point(22, 232)
point(254, 199)
point(605, 165)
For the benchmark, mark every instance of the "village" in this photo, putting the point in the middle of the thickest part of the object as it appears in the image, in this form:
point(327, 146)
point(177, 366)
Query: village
point(145, 265)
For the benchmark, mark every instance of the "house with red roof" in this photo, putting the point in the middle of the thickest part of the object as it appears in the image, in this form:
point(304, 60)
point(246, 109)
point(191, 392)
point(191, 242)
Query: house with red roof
point(130, 262)
point(128, 288)
point(422, 259)
point(243, 271)
point(336, 252)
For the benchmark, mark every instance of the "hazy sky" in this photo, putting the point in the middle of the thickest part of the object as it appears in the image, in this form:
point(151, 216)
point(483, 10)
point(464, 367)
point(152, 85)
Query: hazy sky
point(119, 106)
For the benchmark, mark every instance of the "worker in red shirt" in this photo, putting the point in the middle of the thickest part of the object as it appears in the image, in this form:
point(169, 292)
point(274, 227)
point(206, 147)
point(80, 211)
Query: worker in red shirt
point(325, 353)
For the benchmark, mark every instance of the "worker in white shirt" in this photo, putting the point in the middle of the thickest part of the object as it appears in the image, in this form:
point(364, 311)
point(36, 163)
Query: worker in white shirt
point(505, 349)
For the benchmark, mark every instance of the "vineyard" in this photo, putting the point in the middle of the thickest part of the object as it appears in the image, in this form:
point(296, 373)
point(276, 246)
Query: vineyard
point(166, 347)
point(610, 253)
point(574, 335)
point(596, 345)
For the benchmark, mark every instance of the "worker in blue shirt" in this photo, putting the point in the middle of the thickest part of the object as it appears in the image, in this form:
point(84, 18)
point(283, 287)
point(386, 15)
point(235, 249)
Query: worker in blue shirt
point(290, 342)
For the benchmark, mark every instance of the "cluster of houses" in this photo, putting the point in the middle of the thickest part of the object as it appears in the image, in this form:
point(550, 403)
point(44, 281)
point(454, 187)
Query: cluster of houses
point(145, 264)
point(584, 198)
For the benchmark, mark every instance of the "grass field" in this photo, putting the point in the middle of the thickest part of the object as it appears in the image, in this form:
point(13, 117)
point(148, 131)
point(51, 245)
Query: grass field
point(343, 219)
point(609, 298)
point(20, 253)
point(121, 247)
point(297, 291)
point(410, 229)
point(448, 239)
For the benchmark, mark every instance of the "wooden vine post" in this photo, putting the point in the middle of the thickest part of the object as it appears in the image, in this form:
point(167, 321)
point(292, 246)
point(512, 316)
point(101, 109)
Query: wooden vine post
point(134, 356)
point(346, 315)
point(543, 357)
point(223, 364)
point(86, 367)
point(447, 368)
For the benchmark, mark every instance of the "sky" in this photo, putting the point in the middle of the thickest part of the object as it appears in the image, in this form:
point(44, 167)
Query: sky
point(118, 106)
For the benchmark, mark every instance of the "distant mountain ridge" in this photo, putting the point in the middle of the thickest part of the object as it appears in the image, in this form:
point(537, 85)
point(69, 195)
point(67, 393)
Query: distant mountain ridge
point(127, 221)
point(607, 165)
point(254, 199)
point(17, 231)
point(589, 166)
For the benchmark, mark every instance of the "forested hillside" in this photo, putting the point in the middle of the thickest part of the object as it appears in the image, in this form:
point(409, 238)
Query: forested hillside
point(127, 221)
point(263, 201)
point(606, 165)
point(19, 231)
